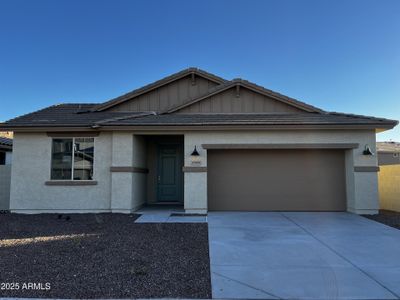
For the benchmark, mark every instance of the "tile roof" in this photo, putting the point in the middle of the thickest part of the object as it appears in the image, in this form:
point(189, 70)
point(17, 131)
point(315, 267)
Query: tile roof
point(249, 119)
point(81, 115)
point(96, 114)
point(70, 114)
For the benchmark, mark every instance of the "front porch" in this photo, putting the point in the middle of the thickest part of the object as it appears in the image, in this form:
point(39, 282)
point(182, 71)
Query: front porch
point(149, 170)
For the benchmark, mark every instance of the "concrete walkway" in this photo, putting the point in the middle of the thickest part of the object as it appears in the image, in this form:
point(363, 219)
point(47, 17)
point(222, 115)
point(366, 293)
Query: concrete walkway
point(302, 256)
point(167, 215)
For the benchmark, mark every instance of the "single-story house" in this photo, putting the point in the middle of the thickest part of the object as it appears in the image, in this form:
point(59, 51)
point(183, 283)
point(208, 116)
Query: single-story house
point(198, 140)
point(389, 175)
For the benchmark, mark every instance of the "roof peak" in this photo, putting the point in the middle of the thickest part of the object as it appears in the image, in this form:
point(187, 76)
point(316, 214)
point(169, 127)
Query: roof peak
point(158, 83)
point(255, 87)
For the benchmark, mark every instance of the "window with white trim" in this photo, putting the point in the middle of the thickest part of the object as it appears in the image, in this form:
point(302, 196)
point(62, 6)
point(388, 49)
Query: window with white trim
point(72, 159)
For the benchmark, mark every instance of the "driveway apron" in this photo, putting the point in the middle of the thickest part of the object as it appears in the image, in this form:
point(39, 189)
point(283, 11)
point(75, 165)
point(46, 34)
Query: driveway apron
point(273, 255)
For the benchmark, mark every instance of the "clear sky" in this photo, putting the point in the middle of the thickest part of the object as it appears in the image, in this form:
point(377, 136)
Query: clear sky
point(338, 55)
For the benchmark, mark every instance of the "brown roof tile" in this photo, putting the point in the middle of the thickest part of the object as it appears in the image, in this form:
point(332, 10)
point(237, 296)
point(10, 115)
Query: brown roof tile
point(80, 115)
point(94, 115)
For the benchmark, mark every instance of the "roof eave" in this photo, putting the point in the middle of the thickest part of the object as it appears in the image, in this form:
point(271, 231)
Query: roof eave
point(201, 126)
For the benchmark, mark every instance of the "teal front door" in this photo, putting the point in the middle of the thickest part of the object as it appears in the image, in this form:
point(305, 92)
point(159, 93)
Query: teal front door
point(169, 177)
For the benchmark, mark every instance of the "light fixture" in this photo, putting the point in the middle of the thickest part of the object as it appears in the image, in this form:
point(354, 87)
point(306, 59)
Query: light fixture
point(367, 151)
point(195, 156)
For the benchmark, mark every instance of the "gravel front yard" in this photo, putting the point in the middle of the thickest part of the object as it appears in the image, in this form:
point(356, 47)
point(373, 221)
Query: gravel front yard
point(102, 256)
point(388, 217)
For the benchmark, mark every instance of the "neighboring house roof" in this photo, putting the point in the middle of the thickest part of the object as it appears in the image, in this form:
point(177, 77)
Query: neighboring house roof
point(6, 143)
point(390, 147)
point(277, 110)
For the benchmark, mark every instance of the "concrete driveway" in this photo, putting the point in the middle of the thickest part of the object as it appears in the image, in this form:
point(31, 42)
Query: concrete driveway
point(270, 255)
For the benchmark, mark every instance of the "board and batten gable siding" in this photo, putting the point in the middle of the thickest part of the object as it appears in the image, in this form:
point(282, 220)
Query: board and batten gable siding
point(242, 101)
point(168, 96)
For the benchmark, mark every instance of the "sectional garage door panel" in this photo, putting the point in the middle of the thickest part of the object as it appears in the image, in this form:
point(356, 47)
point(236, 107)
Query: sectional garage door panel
point(276, 180)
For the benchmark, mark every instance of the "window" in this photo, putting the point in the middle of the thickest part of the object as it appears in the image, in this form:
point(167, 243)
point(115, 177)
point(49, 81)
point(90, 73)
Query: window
point(2, 158)
point(72, 159)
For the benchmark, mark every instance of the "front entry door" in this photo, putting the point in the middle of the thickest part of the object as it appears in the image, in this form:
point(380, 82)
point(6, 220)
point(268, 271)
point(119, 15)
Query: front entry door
point(169, 177)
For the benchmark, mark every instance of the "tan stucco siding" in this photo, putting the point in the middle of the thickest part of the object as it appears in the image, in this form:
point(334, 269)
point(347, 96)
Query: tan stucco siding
point(239, 101)
point(128, 189)
point(168, 96)
point(5, 180)
point(361, 187)
point(389, 187)
point(125, 191)
point(31, 169)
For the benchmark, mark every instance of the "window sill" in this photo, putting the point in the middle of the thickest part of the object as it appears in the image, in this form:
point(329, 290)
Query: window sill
point(70, 182)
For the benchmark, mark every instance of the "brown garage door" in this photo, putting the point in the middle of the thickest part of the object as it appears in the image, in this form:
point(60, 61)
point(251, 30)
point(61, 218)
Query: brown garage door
point(280, 180)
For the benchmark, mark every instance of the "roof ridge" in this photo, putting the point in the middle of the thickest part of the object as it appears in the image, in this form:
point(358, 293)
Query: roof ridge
point(131, 116)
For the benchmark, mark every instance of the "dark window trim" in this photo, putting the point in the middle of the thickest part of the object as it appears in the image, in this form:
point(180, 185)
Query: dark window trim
point(73, 156)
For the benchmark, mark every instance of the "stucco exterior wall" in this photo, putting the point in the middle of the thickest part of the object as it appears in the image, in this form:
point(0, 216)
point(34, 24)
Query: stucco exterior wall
point(127, 191)
point(31, 169)
point(361, 187)
point(139, 180)
point(8, 158)
point(5, 180)
point(389, 187)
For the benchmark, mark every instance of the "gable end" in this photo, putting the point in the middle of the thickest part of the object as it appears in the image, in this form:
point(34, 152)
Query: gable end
point(240, 96)
point(165, 93)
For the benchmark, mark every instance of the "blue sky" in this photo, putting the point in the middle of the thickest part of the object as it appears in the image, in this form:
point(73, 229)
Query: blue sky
point(338, 55)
